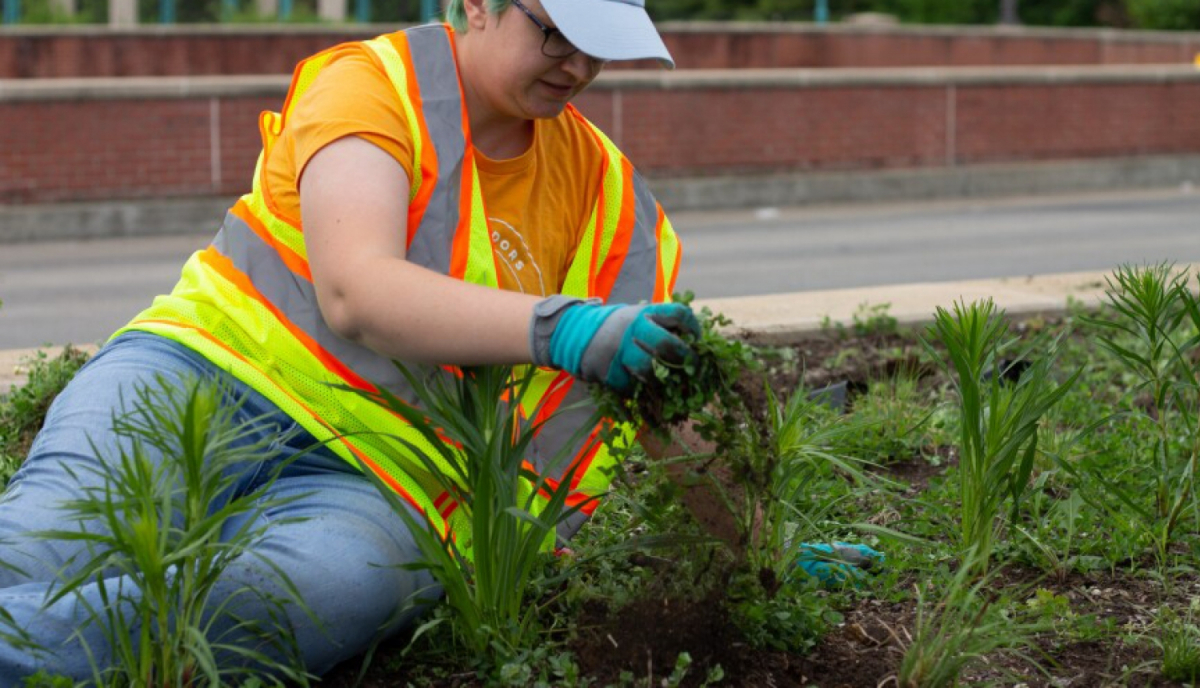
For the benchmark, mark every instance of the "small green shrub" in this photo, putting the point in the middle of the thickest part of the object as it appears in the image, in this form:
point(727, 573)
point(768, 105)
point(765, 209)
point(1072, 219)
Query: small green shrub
point(24, 408)
point(867, 321)
point(893, 420)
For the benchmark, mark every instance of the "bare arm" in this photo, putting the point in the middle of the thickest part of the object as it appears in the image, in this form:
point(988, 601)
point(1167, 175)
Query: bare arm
point(354, 204)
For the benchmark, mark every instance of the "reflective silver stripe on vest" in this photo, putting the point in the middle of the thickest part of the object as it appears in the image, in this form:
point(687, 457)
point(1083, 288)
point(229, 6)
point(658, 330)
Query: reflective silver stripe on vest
point(550, 447)
point(441, 104)
point(296, 298)
point(559, 430)
point(638, 273)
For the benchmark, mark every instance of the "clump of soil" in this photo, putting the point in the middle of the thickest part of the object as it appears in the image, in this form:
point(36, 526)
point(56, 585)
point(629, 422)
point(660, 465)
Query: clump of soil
point(645, 638)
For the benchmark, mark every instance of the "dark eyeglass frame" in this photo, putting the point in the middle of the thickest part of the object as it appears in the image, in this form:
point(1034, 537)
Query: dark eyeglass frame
point(548, 33)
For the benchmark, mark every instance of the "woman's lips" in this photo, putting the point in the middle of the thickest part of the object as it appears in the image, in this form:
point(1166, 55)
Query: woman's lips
point(561, 91)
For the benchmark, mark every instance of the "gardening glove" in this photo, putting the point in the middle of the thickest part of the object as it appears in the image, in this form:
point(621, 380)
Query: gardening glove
point(839, 563)
point(610, 345)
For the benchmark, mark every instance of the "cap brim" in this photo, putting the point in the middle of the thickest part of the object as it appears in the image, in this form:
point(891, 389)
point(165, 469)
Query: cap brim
point(609, 29)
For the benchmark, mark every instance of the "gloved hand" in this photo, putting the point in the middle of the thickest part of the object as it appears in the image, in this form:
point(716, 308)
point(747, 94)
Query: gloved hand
point(611, 345)
point(839, 563)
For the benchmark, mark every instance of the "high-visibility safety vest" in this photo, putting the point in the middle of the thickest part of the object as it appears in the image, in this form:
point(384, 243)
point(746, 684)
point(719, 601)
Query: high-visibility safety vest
point(247, 302)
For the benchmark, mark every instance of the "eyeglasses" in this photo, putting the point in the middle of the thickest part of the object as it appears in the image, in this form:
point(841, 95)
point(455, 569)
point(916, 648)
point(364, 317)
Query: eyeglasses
point(555, 44)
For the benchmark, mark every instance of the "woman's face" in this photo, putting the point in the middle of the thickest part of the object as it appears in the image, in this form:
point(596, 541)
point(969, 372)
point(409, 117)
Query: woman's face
point(512, 76)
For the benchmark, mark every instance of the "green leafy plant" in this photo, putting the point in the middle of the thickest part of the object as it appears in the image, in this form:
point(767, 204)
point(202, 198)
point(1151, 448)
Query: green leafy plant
point(999, 420)
point(961, 628)
point(1154, 335)
point(24, 408)
point(482, 466)
point(170, 531)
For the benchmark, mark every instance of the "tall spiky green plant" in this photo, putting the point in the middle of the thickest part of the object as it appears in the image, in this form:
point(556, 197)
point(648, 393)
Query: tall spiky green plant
point(1157, 327)
point(480, 444)
point(999, 419)
point(163, 528)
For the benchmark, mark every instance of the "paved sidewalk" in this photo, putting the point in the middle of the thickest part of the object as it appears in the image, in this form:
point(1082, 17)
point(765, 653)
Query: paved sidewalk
point(784, 318)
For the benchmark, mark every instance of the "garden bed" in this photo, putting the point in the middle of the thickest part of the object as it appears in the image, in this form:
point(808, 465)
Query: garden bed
point(1100, 606)
point(1085, 584)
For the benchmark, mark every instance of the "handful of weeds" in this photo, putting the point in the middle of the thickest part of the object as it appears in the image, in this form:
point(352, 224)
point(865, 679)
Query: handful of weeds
point(677, 392)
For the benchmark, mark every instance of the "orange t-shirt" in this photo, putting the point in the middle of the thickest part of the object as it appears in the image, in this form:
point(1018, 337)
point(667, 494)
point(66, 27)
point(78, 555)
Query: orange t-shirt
point(538, 204)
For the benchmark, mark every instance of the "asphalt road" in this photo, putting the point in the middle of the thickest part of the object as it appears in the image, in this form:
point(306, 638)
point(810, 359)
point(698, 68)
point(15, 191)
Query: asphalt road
point(79, 292)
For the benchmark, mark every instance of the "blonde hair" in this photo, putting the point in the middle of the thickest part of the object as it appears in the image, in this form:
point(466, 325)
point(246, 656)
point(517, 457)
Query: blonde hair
point(457, 16)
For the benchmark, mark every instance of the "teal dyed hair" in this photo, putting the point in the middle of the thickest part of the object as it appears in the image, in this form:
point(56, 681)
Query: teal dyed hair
point(457, 16)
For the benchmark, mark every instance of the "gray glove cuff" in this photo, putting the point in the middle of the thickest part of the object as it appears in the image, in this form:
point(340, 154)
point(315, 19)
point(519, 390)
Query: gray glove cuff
point(546, 314)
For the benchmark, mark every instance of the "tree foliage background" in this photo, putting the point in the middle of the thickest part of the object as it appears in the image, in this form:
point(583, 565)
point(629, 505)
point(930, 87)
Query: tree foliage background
point(1144, 14)
point(1147, 14)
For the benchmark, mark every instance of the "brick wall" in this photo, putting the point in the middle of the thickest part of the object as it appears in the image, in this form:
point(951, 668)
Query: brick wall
point(61, 143)
point(124, 149)
point(157, 51)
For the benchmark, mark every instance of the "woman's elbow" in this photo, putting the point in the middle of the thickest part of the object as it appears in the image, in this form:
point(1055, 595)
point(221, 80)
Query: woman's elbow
point(338, 311)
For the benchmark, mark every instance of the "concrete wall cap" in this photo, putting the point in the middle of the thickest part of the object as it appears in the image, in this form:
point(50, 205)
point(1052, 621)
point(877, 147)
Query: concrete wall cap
point(894, 76)
point(193, 30)
point(255, 85)
point(134, 88)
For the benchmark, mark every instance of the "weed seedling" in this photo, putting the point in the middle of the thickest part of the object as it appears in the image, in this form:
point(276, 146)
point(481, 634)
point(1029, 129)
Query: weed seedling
point(961, 628)
point(1179, 643)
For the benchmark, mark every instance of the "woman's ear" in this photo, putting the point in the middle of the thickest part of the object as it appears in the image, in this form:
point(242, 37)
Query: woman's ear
point(477, 14)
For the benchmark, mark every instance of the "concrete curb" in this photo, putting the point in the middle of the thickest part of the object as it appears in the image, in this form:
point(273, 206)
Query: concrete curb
point(780, 319)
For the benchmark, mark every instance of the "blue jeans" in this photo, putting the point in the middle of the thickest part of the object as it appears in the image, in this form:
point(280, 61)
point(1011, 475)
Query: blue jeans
point(345, 557)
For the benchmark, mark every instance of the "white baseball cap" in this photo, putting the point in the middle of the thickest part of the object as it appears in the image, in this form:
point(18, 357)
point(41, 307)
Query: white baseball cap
point(609, 29)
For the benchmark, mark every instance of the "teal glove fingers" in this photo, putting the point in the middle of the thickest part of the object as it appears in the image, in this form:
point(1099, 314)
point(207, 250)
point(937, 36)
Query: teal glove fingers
point(839, 563)
point(609, 344)
point(650, 335)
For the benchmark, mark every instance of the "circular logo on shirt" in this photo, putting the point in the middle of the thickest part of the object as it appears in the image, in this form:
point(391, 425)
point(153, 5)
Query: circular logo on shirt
point(514, 255)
